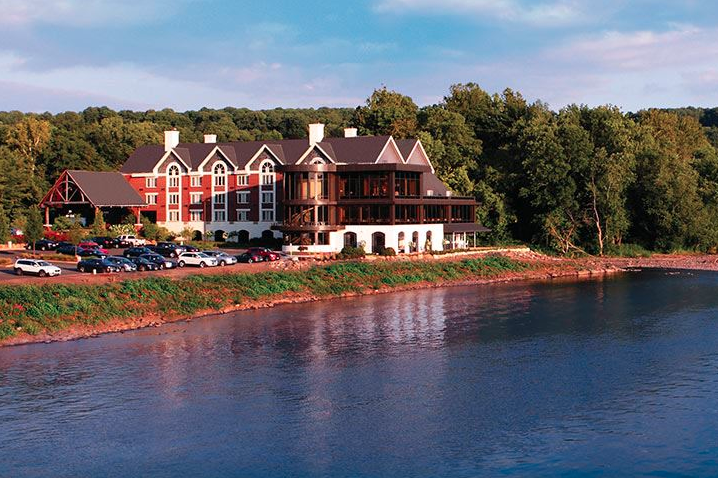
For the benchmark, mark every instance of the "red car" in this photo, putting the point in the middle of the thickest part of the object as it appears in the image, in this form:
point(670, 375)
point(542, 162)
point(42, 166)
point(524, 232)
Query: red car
point(264, 253)
point(92, 245)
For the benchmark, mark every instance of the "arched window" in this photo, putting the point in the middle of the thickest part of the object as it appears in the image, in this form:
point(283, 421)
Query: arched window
point(350, 239)
point(219, 172)
point(316, 160)
point(378, 242)
point(173, 173)
point(267, 170)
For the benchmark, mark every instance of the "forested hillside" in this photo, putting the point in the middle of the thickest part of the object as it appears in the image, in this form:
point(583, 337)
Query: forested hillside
point(581, 178)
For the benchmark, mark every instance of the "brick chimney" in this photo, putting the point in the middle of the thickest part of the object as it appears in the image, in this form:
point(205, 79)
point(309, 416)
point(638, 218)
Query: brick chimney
point(350, 132)
point(316, 133)
point(210, 138)
point(171, 139)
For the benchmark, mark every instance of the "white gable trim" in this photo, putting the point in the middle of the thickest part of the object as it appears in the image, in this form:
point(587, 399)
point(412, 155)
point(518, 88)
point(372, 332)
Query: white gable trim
point(216, 149)
point(396, 150)
point(256, 155)
point(309, 150)
point(165, 156)
point(423, 153)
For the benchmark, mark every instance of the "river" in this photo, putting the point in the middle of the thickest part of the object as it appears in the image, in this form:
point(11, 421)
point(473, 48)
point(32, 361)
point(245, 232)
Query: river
point(608, 377)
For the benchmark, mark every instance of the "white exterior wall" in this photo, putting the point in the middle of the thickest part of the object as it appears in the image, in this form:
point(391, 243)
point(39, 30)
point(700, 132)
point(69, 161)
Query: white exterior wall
point(255, 229)
point(391, 237)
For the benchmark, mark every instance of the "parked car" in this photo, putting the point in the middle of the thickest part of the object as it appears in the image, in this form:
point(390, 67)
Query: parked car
point(107, 242)
point(162, 262)
point(196, 259)
point(43, 245)
point(249, 258)
point(143, 264)
point(35, 266)
point(82, 252)
point(264, 253)
point(96, 265)
point(68, 249)
point(188, 248)
point(136, 251)
point(223, 259)
point(169, 249)
point(131, 240)
point(124, 264)
point(92, 245)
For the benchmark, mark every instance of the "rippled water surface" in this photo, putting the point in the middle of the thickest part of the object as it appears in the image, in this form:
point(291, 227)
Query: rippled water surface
point(615, 377)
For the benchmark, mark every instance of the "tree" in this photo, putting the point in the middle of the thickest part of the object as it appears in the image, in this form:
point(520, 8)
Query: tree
point(29, 137)
point(387, 113)
point(4, 226)
point(33, 229)
point(99, 228)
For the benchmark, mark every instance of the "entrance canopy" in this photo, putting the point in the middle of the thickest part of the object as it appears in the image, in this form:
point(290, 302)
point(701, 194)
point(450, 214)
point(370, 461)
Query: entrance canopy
point(97, 189)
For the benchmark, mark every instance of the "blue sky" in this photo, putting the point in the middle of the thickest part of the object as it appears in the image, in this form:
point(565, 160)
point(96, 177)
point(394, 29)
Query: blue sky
point(61, 55)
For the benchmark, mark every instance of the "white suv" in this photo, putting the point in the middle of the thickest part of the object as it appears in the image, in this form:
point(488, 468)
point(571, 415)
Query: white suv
point(35, 266)
point(196, 259)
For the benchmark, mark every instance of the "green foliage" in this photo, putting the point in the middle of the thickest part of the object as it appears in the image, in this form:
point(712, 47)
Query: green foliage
point(349, 252)
point(387, 252)
point(99, 228)
point(627, 250)
point(63, 223)
point(4, 226)
point(76, 233)
point(33, 229)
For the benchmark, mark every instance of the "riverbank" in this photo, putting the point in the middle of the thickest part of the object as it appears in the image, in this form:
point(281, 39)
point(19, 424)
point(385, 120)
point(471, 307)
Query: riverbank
point(70, 311)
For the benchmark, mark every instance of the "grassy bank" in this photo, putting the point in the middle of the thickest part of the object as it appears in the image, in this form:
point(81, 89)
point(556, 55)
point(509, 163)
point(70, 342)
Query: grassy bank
point(52, 308)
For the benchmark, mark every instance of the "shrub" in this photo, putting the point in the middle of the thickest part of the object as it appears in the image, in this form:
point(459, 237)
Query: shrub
point(349, 252)
point(387, 252)
point(628, 250)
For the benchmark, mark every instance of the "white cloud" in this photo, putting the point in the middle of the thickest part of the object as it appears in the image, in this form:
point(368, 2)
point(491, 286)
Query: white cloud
point(549, 13)
point(82, 13)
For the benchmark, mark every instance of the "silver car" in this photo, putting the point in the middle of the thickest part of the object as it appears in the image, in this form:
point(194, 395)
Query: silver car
point(223, 259)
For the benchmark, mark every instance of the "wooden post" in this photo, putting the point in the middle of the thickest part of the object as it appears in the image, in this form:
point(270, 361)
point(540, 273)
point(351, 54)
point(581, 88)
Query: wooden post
point(47, 216)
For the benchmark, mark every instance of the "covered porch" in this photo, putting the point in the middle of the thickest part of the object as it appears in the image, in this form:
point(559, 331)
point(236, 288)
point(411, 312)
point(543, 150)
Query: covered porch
point(465, 235)
point(91, 191)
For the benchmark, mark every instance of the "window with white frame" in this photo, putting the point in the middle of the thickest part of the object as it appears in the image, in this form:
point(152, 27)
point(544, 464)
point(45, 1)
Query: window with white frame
point(174, 216)
point(218, 198)
point(195, 181)
point(219, 172)
point(174, 176)
point(195, 215)
point(268, 216)
point(220, 216)
point(243, 180)
point(151, 198)
point(150, 182)
point(267, 173)
point(195, 198)
point(267, 197)
point(243, 214)
point(174, 198)
point(242, 197)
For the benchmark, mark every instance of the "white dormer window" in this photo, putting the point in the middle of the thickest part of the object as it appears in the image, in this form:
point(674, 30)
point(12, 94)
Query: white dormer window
point(316, 160)
point(267, 173)
point(219, 172)
point(173, 174)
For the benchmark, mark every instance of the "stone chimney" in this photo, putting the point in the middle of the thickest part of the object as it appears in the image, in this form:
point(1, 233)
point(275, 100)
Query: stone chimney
point(171, 139)
point(316, 133)
point(210, 138)
point(350, 132)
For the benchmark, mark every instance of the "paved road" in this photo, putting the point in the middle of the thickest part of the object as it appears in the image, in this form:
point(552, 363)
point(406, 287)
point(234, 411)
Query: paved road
point(71, 275)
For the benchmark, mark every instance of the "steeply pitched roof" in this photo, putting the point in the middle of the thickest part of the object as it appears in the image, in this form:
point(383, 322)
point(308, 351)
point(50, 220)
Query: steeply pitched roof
point(357, 150)
point(406, 146)
point(106, 188)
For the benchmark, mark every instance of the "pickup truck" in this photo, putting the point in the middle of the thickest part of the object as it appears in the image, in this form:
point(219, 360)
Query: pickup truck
point(131, 240)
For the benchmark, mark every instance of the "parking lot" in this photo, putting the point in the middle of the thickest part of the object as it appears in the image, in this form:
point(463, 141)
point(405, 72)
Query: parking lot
point(70, 273)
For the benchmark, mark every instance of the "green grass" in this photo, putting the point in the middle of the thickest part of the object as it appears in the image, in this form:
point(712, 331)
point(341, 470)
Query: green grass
point(35, 309)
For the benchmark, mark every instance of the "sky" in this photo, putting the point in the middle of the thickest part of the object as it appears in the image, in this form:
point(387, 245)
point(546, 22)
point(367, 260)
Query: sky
point(58, 55)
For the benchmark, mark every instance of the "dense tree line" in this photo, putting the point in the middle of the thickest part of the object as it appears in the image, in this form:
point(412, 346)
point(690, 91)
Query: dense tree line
point(578, 179)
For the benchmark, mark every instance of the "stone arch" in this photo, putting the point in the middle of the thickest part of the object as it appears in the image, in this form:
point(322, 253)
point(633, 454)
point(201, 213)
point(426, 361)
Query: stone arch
point(402, 241)
point(415, 241)
point(243, 236)
point(219, 235)
point(267, 235)
point(197, 236)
